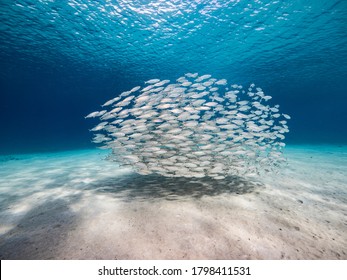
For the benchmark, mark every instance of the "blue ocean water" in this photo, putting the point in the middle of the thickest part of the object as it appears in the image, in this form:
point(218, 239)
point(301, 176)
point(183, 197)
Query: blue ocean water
point(61, 59)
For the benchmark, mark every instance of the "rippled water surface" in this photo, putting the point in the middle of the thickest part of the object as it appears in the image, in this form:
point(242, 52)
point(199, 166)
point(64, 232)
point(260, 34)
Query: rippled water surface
point(61, 59)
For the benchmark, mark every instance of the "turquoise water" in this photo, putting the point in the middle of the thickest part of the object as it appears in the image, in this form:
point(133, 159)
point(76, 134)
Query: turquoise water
point(61, 59)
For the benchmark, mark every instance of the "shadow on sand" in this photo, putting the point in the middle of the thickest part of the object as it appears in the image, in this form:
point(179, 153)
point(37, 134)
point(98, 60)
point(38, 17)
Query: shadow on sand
point(134, 186)
point(38, 234)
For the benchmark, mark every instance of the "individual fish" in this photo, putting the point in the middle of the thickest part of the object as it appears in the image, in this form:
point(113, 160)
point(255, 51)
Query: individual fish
point(95, 114)
point(203, 77)
point(108, 103)
point(221, 82)
point(152, 81)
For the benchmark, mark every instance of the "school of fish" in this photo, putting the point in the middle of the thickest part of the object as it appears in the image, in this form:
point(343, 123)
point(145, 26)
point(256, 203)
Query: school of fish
point(195, 127)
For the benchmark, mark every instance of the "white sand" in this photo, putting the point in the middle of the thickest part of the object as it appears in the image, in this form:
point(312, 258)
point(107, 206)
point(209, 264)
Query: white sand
point(75, 205)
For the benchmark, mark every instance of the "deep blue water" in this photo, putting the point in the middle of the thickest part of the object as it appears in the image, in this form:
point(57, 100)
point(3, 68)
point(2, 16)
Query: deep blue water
point(61, 59)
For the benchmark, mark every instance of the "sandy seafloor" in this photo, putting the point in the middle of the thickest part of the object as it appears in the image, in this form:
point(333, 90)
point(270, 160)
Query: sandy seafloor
point(74, 205)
